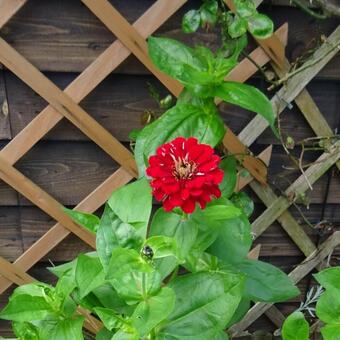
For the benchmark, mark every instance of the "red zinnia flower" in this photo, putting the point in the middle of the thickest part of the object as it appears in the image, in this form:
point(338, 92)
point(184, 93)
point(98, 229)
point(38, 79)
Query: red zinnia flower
point(185, 172)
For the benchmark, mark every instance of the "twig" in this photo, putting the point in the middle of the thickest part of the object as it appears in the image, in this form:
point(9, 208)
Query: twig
point(309, 11)
point(302, 68)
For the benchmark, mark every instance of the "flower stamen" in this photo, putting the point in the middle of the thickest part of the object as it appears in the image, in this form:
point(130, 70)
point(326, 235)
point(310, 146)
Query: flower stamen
point(184, 169)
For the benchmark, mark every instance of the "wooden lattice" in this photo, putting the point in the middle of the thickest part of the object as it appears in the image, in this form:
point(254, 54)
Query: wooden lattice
point(131, 39)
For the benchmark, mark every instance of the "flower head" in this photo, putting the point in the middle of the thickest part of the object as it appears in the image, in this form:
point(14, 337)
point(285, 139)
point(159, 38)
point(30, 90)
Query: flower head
point(184, 173)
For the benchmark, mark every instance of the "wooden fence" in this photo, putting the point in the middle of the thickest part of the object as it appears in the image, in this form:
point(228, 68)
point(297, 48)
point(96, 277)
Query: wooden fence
point(131, 40)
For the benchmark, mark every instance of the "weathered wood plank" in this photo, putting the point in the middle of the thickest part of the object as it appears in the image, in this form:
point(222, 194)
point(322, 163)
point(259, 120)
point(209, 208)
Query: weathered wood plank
point(66, 106)
point(324, 162)
point(86, 82)
point(286, 220)
point(11, 242)
point(76, 37)
point(42, 199)
point(120, 100)
point(131, 38)
point(5, 130)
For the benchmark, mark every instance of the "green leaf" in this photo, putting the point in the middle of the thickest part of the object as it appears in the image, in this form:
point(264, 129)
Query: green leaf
point(28, 303)
point(162, 246)
point(86, 220)
point(240, 312)
point(132, 203)
point(295, 327)
point(38, 289)
point(260, 26)
point(182, 120)
point(191, 21)
point(205, 302)
point(89, 274)
point(329, 278)
point(111, 319)
point(331, 332)
point(247, 97)
point(126, 335)
point(233, 240)
point(183, 230)
point(245, 8)
point(133, 278)
point(25, 331)
point(244, 202)
point(265, 282)
point(68, 329)
point(113, 233)
point(197, 69)
point(104, 334)
point(65, 286)
point(217, 211)
point(149, 313)
point(237, 27)
point(170, 56)
point(60, 270)
point(209, 12)
point(328, 307)
point(228, 165)
point(200, 262)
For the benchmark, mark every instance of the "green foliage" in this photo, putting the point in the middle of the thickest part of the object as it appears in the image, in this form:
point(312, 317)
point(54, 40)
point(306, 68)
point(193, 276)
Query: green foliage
point(86, 220)
point(328, 305)
point(205, 301)
point(121, 226)
point(150, 312)
point(247, 97)
point(295, 327)
point(234, 25)
point(244, 202)
point(233, 241)
point(174, 276)
point(191, 21)
point(228, 165)
point(89, 274)
point(260, 26)
point(264, 282)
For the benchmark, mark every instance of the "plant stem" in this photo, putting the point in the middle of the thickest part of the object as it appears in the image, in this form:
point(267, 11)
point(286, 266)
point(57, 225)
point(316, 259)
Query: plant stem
point(309, 11)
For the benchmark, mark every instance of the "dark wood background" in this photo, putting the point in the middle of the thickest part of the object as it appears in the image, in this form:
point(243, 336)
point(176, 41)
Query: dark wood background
point(62, 37)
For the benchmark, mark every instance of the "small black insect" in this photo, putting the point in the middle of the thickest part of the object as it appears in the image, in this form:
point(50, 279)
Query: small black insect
point(147, 252)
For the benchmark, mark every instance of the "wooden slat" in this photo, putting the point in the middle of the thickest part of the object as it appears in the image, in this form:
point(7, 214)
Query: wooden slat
point(130, 37)
point(313, 173)
point(14, 274)
point(8, 8)
point(292, 89)
point(66, 106)
point(264, 156)
point(58, 232)
point(78, 89)
point(287, 221)
point(43, 200)
point(296, 275)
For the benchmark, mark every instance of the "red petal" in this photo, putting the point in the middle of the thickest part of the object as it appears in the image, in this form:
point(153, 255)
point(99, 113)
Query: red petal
point(188, 206)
